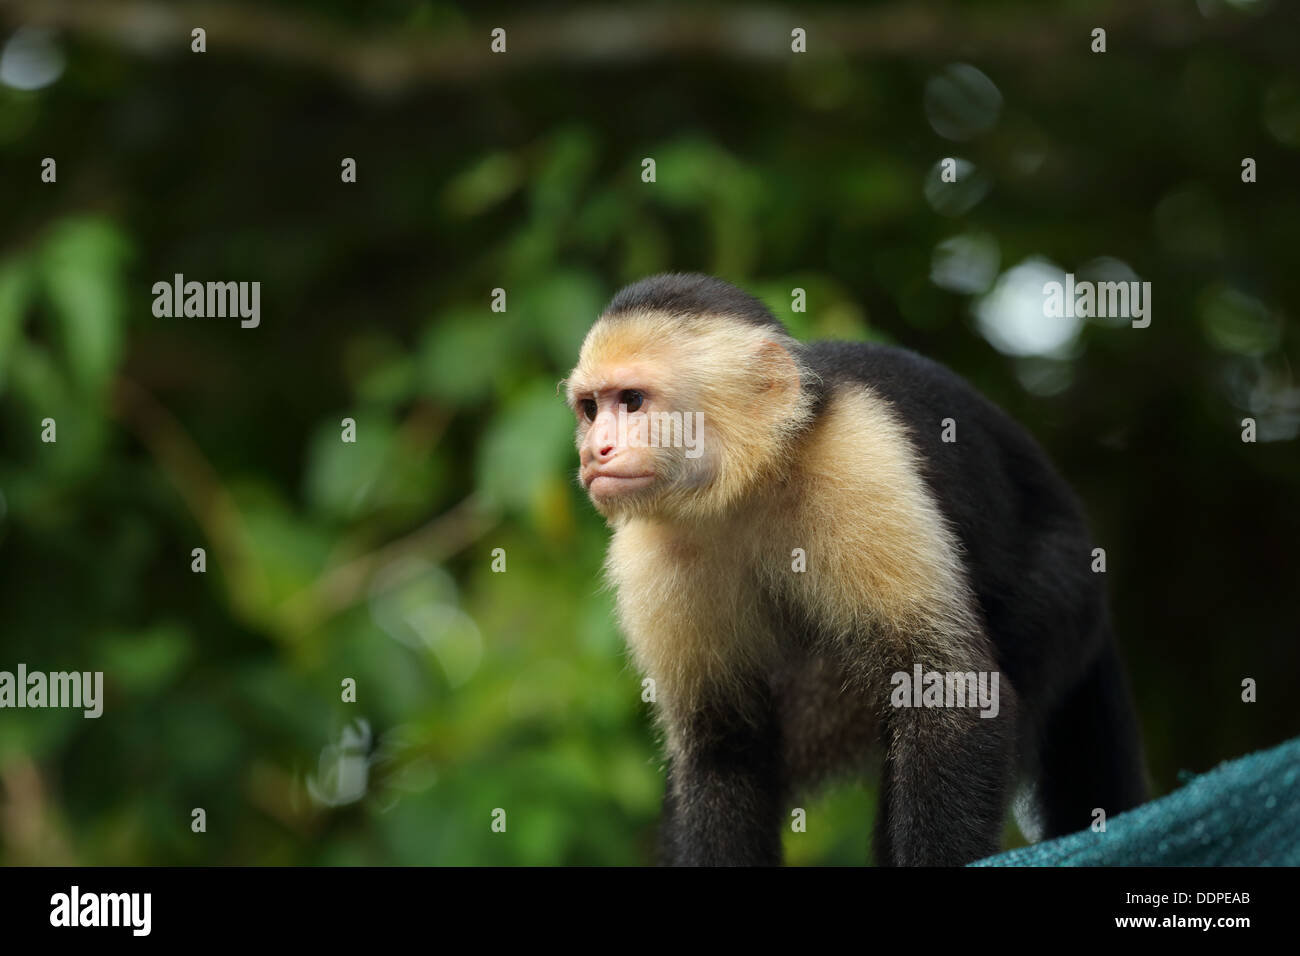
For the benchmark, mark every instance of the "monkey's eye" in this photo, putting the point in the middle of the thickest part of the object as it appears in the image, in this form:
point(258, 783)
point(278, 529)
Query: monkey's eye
point(588, 406)
point(632, 399)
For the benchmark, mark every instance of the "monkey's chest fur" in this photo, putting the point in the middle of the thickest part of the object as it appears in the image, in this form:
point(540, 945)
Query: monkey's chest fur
point(711, 612)
point(718, 616)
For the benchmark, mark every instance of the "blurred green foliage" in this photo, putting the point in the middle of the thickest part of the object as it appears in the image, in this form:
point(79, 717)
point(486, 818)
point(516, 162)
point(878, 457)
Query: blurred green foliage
point(480, 690)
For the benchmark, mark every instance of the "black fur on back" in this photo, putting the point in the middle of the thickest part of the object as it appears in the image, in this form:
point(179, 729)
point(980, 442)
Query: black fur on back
point(1028, 552)
point(1027, 546)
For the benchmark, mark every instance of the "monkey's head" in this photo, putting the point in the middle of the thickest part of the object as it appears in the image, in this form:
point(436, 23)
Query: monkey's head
point(687, 393)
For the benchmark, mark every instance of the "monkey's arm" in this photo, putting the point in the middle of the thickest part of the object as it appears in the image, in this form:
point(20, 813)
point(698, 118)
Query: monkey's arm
point(947, 778)
point(722, 804)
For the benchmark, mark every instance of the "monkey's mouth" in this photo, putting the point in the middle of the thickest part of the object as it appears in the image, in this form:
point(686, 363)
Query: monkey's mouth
point(608, 485)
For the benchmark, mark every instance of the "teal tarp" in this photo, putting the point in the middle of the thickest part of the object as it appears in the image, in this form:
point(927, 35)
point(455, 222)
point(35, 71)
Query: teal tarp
point(1244, 812)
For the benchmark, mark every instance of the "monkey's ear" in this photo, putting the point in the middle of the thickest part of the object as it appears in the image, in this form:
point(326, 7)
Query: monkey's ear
point(777, 369)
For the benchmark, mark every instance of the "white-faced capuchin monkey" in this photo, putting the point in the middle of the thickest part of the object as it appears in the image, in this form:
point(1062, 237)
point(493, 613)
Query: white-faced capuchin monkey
point(854, 548)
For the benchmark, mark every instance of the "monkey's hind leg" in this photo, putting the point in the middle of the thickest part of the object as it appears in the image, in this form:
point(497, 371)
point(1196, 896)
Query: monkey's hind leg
point(1090, 753)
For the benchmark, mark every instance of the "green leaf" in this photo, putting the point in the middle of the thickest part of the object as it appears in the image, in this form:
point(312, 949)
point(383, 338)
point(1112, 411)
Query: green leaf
point(15, 291)
point(557, 183)
point(81, 264)
point(343, 477)
point(487, 182)
point(561, 308)
point(146, 662)
point(461, 355)
point(527, 445)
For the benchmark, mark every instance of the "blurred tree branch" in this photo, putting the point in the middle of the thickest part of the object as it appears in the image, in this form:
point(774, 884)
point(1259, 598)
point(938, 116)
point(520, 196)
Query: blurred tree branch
point(215, 511)
point(344, 585)
point(395, 59)
point(28, 823)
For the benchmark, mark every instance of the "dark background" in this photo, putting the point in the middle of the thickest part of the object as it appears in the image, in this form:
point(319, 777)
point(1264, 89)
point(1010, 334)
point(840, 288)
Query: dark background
point(522, 171)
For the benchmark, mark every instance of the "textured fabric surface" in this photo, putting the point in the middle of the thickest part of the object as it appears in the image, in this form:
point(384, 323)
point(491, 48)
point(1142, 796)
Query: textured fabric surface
point(1244, 812)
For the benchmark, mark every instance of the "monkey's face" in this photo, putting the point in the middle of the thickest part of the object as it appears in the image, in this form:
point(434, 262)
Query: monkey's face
point(633, 442)
point(679, 416)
